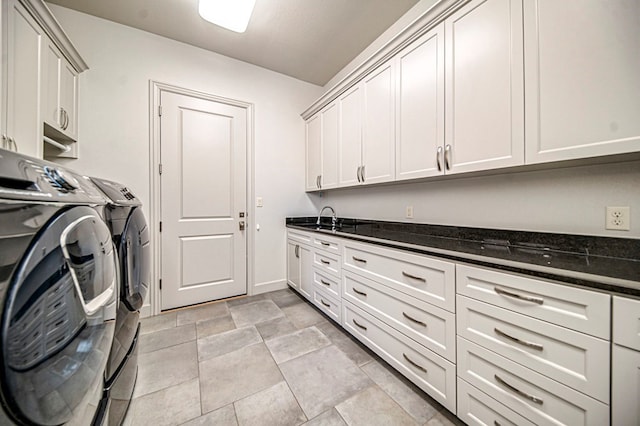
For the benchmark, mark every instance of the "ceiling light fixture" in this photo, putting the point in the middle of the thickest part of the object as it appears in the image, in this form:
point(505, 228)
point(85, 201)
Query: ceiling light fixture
point(233, 15)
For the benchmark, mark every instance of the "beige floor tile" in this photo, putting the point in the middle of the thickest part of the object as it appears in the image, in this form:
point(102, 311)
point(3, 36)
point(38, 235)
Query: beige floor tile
point(166, 367)
point(225, 416)
point(352, 349)
point(168, 337)
point(255, 312)
point(170, 406)
point(322, 379)
point(328, 418)
point(159, 322)
point(236, 375)
point(303, 315)
point(214, 326)
point(273, 406)
point(275, 328)
point(202, 313)
point(229, 341)
point(373, 407)
point(290, 346)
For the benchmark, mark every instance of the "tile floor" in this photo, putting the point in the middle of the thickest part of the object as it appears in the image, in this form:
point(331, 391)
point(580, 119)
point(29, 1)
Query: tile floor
point(271, 359)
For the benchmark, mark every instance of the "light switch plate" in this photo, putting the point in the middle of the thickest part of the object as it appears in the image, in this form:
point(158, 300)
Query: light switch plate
point(259, 202)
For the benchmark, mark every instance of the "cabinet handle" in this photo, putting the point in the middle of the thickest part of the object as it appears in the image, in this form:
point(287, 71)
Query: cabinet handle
point(361, 293)
point(358, 174)
point(325, 303)
point(362, 173)
point(297, 250)
point(507, 293)
point(496, 423)
point(531, 345)
point(325, 262)
point(404, 314)
point(357, 259)
point(325, 244)
point(447, 156)
point(414, 277)
point(325, 283)
point(416, 365)
point(359, 325)
point(532, 398)
point(438, 158)
point(14, 143)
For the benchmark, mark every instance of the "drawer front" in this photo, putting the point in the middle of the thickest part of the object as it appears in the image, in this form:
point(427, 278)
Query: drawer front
point(429, 325)
point(331, 245)
point(626, 322)
point(327, 304)
point(327, 263)
point(476, 408)
point(422, 277)
point(430, 372)
point(572, 358)
point(329, 284)
point(300, 236)
point(532, 395)
point(578, 309)
point(625, 386)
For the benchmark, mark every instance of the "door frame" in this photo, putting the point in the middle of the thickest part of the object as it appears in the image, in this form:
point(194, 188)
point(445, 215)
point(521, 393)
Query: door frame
point(155, 89)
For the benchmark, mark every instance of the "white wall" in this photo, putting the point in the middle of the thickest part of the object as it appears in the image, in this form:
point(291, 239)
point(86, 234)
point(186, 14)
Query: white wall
point(114, 118)
point(567, 200)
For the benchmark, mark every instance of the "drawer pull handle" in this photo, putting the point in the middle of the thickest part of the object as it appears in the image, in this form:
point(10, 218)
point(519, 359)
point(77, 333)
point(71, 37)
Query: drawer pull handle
point(414, 277)
point(518, 391)
point(357, 259)
point(359, 325)
point(424, 324)
point(531, 345)
point(496, 423)
point(418, 366)
point(325, 303)
point(325, 283)
point(361, 293)
point(504, 292)
point(325, 244)
point(326, 262)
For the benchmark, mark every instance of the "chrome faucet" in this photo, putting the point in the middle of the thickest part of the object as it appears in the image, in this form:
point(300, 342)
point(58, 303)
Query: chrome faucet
point(333, 217)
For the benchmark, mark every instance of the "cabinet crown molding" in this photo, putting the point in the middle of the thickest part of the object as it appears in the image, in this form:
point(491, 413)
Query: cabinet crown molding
point(43, 16)
point(427, 20)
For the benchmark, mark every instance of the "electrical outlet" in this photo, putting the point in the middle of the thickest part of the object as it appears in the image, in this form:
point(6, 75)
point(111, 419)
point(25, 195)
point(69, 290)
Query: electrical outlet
point(618, 218)
point(409, 213)
point(259, 202)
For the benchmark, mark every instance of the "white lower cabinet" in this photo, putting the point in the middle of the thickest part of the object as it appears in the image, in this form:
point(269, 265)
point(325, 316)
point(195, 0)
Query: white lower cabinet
point(538, 398)
point(625, 386)
point(430, 372)
point(299, 268)
point(478, 409)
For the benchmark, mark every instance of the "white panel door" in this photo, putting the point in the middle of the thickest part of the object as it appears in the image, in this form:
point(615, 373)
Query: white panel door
point(350, 138)
point(582, 63)
point(378, 126)
point(313, 153)
point(330, 135)
point(484, 86)
point(203, 184)
point(420, 107)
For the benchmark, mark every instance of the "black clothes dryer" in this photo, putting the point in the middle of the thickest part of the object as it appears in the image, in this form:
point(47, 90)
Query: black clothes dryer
point(130, 233)
point(58, 294)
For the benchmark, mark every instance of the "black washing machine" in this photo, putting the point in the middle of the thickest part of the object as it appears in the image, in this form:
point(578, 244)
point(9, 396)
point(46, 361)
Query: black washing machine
point(58, 295)
point(130, 234)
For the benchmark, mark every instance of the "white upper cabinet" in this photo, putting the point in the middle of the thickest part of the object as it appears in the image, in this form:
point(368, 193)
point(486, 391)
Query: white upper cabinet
point(22, 125)
point(329, 176)
point(378, 126)
point(60, 95)
point(484, 86)
point(350, 145)
point(582, 68)
point(420, 106)
point(313, 153)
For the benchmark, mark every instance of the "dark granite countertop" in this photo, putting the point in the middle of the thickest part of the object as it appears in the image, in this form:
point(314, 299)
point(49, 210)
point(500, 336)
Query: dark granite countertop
point(604, 263)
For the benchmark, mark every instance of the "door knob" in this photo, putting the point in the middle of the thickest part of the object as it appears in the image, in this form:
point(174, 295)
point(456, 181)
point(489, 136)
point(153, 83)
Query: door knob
point(241, 225)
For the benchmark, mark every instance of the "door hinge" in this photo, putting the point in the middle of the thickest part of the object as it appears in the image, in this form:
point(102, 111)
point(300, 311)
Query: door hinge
point(160, 168)
point(160, 283)
point(160, 110)
point(160, 226)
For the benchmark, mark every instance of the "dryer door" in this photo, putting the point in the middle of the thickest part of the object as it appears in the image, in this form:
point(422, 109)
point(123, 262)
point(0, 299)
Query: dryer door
point(135, 255)
point(56, 326)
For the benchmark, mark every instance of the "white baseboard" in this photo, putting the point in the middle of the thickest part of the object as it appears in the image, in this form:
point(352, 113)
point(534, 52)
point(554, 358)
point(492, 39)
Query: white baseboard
point(269, 286)
point(145, 311)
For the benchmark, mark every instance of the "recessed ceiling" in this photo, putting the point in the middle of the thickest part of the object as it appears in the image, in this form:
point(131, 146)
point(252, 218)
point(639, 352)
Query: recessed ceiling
point(307, 39)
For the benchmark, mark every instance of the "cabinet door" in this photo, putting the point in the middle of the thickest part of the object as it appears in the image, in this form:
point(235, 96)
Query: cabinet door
point(293, 264)
point(306, 272)
point(24, 39)
point(378, 126)
point(350, 139)
point(420, 107)
point(484, 80)
point(69, 98)
point(52, 60)
point(313, 153)
point(582, 86)
point(329, 147)
point(625, 386)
